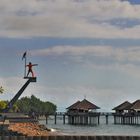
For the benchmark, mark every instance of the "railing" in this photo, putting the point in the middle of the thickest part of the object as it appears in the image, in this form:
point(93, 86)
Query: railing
point(83, 113)
point(127, 114)
point(70, 137)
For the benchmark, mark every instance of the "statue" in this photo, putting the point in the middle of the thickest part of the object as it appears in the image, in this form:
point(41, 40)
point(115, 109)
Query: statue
point(30, 69)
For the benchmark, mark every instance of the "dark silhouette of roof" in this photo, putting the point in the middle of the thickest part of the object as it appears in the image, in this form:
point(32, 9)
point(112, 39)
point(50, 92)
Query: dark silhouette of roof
point(136, 105)
point(124, 106)
point(83, 105)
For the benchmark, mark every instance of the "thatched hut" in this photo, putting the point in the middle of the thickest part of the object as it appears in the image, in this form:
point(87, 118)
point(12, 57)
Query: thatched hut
point(83, 106)
point(136, 106)
point(127, 113)
point(82, 112)
point(123, 107)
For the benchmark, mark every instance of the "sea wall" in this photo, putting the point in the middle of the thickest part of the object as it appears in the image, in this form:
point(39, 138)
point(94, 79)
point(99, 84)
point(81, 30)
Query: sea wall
point(70, 138)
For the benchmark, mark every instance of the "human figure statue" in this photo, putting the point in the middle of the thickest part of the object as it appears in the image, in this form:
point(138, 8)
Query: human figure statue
point(30, 70)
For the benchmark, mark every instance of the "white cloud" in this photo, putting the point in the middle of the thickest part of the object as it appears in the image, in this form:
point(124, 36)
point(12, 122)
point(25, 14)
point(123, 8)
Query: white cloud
point(66, 18)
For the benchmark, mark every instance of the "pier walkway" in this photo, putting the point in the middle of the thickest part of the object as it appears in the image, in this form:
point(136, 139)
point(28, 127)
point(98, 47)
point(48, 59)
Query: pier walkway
point(90, 118)
point(127, 118)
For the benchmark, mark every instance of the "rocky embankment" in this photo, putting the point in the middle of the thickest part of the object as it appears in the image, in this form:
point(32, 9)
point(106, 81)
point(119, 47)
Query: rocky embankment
point(29, 129)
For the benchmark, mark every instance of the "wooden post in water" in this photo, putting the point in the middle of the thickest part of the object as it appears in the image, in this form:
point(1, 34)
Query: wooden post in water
point(98, 119)
point(46, 116)
point(124, 119)
point(90, 120)
point(55, 117)
point(106, 118)
point(64, 119)
point(46, 120)
point(114, 119)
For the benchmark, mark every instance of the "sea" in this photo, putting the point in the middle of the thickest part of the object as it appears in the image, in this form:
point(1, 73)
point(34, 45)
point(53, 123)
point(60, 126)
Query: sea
point(101, 129)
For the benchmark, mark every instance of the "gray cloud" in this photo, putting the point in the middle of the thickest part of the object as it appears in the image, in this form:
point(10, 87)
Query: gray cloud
point(70, 94)
point(65, 18)
point(122, 59)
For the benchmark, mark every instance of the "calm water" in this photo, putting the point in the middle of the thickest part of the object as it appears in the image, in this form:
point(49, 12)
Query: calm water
point(101, 129)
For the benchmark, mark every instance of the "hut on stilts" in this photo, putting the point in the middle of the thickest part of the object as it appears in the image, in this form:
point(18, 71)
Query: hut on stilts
point(83, 113)
point(127, 113)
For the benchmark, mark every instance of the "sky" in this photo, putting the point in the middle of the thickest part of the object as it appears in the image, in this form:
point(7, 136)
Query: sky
point(84, 49)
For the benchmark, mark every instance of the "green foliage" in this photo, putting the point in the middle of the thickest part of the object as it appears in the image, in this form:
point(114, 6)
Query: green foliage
point(2, 105)
point(1, 90)
point(24, 104)
point(28, 105)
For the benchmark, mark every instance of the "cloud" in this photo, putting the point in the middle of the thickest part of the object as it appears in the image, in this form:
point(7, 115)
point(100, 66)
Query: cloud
point(116, 53)
point(65, 18)
point(123, 59)
point(11, 86)
point(74, 50)
point(71, 94)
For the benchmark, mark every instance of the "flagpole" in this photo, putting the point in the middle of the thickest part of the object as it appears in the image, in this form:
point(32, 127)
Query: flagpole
point(25, 68)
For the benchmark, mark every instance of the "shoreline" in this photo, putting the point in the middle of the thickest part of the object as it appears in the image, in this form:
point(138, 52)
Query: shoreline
point(29, 129)
point(35, 129)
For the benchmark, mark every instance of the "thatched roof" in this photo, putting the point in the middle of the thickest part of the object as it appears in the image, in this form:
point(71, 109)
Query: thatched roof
point(86, 105)
point(73, 105)
point(136, 105)
point(124, 106)
point(83, 105)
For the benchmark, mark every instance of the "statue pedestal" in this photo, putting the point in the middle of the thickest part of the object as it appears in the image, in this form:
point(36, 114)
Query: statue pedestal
point(32, 79)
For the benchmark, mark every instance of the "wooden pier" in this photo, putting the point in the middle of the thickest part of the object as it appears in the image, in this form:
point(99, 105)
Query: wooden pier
point(93, 118)
point(56, 115)
point(80, 113)
point(127, 113)
point(127, 119)
point(89, 118)
point(83, 113)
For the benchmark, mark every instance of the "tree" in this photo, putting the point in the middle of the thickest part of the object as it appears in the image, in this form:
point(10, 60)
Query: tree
point(24, 104)
point(34, 104)
point(1, 90)
point(2, 105)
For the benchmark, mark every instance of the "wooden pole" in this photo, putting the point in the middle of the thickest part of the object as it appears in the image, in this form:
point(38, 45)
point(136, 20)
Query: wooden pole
point(98, 119)
point(46, 119)
point(64, 119)
point(55, 118)
point(106, 118)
